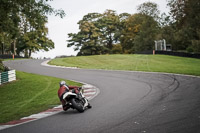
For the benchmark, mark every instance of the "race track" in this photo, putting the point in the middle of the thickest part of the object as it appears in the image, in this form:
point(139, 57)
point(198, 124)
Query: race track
point(128, 102)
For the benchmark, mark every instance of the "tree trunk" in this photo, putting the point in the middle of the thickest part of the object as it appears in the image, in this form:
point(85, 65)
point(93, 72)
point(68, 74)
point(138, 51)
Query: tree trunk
point(2, 49)
point(26, 53)
point(110, 43)
point(14, 45)
point(30, 52)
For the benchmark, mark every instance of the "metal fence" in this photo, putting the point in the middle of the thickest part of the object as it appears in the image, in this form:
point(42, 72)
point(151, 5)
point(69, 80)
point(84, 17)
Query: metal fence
point(182, 54)
point(9, 56)
point(7, 76)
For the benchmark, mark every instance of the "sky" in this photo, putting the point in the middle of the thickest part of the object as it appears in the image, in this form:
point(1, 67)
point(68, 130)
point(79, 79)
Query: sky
point(75, 10)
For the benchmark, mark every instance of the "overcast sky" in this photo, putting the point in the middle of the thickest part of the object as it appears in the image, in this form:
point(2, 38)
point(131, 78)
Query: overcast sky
point(75, 10)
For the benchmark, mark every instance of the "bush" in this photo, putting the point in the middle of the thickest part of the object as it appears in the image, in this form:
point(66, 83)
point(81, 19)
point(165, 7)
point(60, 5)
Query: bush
point(117, 49)
point(196, 45)
point(2, 67)
point(189, 49)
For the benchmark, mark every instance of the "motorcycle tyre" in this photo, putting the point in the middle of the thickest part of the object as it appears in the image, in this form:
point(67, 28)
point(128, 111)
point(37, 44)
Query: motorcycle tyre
point(79, 107)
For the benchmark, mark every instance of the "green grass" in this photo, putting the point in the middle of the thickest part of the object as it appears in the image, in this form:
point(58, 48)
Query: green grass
point(30, 94)
point(147, 63)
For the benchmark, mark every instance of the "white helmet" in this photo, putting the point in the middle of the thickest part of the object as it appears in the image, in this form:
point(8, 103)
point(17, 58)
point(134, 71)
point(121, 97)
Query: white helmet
point(62, 83)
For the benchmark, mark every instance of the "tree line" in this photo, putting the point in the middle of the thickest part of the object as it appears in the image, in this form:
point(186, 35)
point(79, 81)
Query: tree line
point(109, 32)
point(23, 26)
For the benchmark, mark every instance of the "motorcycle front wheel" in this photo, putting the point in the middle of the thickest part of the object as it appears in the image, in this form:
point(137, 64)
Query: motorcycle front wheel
point(77, 105)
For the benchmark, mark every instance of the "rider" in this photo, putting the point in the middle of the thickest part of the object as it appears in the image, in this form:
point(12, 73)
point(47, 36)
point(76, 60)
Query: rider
point(65, 88)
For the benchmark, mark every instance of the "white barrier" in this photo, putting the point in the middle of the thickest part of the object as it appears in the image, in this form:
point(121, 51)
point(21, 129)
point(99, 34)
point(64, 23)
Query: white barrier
point(7, 76)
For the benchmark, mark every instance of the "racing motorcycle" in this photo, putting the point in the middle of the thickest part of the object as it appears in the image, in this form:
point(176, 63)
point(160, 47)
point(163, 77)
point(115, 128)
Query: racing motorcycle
point(76, 101)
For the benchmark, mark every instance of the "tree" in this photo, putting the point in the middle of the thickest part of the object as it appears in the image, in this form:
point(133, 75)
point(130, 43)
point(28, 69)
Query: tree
point(117, 49)
point(186, 15)
point(5, 41)
point(88, 38)
point(131, 28)
point(98, 33)
point(142, 28)
point(76, 40)
point(123, 17)
point(33, 32)
point(149, 9)
point(109, 27)
point(177, 8)
point(24, 21)
point(9, 20)
point(139, 33)
point(144, 40)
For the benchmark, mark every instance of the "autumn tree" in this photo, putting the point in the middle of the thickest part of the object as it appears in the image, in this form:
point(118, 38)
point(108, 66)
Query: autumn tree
point(139, 33)
point(97, 33)
point(87, 40)
point(141, 29)
point(131, 28)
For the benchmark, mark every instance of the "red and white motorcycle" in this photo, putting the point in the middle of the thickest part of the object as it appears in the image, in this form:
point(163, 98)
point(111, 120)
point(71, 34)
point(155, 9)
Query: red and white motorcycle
point(76, 101)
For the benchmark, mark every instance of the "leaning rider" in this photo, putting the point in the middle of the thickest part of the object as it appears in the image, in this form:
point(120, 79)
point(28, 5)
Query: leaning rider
point(63, 89)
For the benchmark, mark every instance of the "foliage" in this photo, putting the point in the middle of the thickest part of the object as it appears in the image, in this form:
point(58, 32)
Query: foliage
point(117, 49)
point(109, 24)
point(149, 9)
point(22, 26)
point(131, 28)
point(189, 50)
point(2, 67)
point(139, 33)
point(186, 16)
point(88, 36)
point(99, 33)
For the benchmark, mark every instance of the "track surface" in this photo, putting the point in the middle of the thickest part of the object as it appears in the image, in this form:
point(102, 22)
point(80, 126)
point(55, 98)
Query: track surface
point(129, 102)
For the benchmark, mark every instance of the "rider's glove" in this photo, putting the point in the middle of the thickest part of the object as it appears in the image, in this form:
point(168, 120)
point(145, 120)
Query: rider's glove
point(79, 89)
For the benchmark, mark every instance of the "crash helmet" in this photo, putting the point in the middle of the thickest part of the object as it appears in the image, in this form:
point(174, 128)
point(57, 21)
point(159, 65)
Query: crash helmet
point(62, 83)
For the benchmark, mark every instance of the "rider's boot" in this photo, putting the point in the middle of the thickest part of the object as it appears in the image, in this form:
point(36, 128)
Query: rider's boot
point(89, 106)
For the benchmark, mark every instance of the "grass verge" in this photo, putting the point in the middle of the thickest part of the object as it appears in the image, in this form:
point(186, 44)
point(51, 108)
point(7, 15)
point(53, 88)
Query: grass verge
point(30, 94)
point(147, 63)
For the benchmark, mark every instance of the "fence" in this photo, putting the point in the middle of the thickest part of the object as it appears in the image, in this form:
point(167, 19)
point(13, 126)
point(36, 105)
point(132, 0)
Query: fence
point(9, 56)
point(7, 76)
point(182, 54)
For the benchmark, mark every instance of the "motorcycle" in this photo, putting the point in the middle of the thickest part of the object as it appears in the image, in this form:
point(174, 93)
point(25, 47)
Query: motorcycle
point(76, 101)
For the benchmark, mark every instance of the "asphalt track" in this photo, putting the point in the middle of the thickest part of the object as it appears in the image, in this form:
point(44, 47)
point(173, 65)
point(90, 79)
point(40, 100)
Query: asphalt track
point(128, 102)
